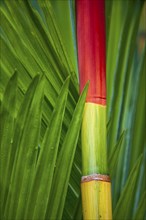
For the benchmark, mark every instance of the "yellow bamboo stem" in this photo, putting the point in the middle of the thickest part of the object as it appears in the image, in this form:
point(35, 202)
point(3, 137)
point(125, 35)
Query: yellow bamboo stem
point(96, 199)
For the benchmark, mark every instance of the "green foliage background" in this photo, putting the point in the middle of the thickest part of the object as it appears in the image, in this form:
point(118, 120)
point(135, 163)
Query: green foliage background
point(41, 111)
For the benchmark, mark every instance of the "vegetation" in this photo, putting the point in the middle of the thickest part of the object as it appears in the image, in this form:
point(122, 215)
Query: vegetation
point(41, 111)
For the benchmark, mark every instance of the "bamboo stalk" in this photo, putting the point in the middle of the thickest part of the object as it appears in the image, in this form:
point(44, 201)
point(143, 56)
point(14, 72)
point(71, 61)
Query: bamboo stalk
point(95, 184)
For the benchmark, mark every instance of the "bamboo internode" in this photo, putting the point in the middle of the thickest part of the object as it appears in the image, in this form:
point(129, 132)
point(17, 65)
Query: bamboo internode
point(93, 136)
point(96, 200)
point(91, 48)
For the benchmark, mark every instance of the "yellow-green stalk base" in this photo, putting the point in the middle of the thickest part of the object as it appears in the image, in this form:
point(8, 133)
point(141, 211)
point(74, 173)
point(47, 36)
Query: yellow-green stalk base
point(96, 200)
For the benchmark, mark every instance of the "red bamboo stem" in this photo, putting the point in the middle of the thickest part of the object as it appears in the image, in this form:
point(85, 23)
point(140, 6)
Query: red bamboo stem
point(91, 48)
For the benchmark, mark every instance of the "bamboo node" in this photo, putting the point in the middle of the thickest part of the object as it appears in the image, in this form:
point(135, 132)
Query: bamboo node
point(97, 177)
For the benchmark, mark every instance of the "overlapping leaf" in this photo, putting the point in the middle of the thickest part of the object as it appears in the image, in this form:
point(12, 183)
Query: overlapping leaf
point(32, 167)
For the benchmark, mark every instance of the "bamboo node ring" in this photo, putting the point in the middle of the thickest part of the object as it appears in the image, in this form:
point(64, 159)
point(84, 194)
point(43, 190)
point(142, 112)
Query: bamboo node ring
point(97, 177)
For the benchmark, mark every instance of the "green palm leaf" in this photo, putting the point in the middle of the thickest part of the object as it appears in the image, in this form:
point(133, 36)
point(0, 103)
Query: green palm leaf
point(125, 201)
point(140, 212)
point(8, 112)
point(26, 155)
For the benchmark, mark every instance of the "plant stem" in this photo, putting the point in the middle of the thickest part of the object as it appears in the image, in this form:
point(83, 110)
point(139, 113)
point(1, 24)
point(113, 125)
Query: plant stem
point(95, 184)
